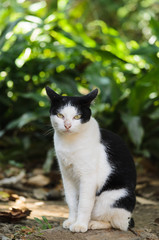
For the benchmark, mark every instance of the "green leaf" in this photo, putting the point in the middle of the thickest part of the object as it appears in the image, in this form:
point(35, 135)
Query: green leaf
point(153, 145)
point(38, 221)
point(155, 114)
point(26, 118)
point(49, 161)
point(33, 95)
point(46, 221)
point(155, 26)
point(23, 120)
point(141, 91)
point(2, 132)
point(8, 29)
point(104, 54)
point(134, 127)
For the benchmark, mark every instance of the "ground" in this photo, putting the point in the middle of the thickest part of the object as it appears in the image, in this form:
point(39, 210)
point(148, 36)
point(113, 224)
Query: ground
point(35, 227)
point(57, 211)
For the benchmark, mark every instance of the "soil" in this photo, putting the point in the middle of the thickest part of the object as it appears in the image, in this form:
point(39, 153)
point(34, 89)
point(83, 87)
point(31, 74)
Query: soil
point(57, 211)
point(34, 227)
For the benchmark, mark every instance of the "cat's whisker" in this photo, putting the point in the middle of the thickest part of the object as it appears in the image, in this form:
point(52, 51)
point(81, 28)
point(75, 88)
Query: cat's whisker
point(48, 132)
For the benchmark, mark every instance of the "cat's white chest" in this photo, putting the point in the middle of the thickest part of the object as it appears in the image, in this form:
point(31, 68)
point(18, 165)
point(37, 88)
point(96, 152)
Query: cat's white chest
point(67, 163)
point(83, 155)
point(65, 152)
point(65, 158)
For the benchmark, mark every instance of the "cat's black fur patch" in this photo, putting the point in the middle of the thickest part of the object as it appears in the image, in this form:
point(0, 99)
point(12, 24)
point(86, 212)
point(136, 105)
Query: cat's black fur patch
point(82, 104)
point(123, 174)
point(131, 223)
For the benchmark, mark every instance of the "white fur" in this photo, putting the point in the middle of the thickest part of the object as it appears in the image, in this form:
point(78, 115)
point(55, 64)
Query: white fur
point(69, 112)
point(85, 168)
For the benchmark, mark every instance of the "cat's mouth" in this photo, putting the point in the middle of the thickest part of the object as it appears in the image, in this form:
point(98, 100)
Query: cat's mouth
point(67, 131)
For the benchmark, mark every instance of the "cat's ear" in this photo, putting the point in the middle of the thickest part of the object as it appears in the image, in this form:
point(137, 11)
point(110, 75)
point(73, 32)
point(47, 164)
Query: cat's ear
point(87, 99)
point(51, 94)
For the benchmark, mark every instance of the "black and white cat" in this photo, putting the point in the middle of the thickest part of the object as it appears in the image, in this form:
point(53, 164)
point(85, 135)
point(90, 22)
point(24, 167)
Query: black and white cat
point(97, 169)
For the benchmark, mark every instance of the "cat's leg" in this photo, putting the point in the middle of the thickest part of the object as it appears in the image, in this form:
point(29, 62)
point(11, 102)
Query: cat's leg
point(99, 225)
point(71, 199)
point(86, 203)
point(120, 218)
point(104, 211)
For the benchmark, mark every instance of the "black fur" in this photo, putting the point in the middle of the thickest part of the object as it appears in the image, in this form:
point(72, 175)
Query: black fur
point(131, 223)
point(119, 157)
point(124, 173)
point(81, 103)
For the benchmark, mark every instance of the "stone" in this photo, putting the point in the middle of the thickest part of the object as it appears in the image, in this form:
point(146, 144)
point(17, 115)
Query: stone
point(58, 233)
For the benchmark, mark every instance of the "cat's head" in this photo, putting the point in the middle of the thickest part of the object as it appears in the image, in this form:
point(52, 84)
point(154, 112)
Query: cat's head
point(68, 114)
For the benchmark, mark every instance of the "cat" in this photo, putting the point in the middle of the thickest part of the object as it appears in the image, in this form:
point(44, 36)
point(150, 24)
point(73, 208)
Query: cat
point(97, 169)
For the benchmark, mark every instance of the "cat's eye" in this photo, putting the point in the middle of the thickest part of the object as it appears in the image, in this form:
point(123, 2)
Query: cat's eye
point(77, 117)
point(59, 115)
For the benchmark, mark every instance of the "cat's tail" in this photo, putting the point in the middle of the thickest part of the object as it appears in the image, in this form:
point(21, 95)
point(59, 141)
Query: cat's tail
point(131, 223)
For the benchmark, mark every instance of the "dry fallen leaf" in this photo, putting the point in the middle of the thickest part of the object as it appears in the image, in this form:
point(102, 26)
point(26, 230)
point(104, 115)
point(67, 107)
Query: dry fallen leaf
point(12, 180)
point(143, 179)
point(13, 197)
point(145, 201)
point(28, 230)
point(154, 183)
point(56, 193)
point(141, 186)
point(4, 196)
point(39, 181)
point(40, 193)
point(14, 215)
point(157, 220)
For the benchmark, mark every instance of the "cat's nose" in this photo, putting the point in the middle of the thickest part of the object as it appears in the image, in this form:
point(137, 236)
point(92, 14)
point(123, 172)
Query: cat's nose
point(67, 125)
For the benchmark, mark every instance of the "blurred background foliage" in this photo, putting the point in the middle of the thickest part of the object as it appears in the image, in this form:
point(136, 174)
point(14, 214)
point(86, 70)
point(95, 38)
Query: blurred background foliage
point(74, 46)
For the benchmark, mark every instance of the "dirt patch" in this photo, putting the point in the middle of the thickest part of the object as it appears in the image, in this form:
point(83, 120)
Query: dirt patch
point(146, 216)
point(61, 234)
point(57, 211)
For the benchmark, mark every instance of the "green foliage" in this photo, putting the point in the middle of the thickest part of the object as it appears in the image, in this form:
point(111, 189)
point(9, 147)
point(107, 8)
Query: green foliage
point(44, 224)
point(74, 48)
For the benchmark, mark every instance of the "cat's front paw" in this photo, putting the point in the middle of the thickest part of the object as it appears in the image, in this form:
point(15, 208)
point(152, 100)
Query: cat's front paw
point(67, 223)
point(78, 227)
